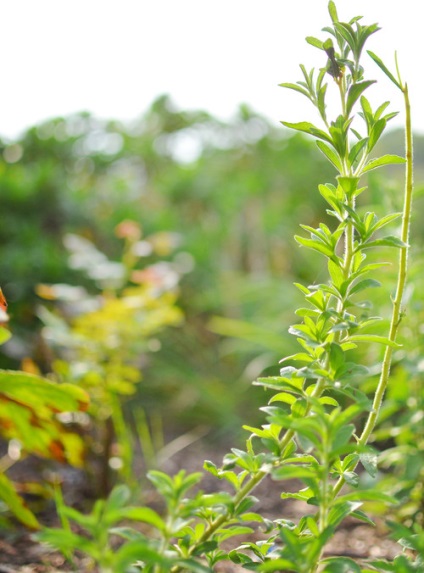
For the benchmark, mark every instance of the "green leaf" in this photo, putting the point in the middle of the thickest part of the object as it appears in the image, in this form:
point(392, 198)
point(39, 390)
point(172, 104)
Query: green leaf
point(355, 92)
point(330, 154)
point(389, 241)
point(384, 160)
point(351, 478)
point(282, 397)
point(336, 356)
point(364, 284)
point(374, 338)
point(315, 42)
point(328, 401)
point(309, 128)
point(16, 504)
point(211, 468)
point(67, 541)
point(229, 532)
point(144, 515)
point(193, 565)
point(375, 132)
point(383, 67)
point(315, 245)
point(281, 383)
point(333, 11)
point(348, 34)
point(385, 221)
point(140, 550)
point(358, 514)
point(369, 461)
point(348, 184)
point(343, 436)
point(366, 495)
point(340, 510)
point(356, 149)
point(340, 565)
point(292, 472)
point(336, 274)
point(118, 498)
point(296, 88)
point(276, 565)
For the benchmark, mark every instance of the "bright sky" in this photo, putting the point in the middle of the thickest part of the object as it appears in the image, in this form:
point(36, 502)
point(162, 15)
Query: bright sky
point(113, 58)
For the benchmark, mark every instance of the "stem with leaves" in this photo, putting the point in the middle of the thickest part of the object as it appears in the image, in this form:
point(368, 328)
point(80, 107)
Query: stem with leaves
point(332, 327)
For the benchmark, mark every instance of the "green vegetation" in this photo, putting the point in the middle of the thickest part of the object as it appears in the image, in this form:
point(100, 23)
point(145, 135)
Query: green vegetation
point(155, 266)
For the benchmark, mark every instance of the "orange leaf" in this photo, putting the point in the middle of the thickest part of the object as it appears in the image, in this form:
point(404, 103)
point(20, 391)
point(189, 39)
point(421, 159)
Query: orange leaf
point(3, 302)
point(3, 308)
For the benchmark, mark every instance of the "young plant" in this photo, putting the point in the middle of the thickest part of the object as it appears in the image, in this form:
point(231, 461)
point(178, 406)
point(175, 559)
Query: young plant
point(114, 548)
point(319, 421)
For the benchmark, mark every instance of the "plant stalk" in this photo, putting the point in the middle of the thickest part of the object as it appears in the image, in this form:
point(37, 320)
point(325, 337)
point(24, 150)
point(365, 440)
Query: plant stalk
point(400, 288)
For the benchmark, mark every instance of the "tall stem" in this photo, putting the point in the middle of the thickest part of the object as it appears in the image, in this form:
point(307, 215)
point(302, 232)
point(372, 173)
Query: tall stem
point(400, 288)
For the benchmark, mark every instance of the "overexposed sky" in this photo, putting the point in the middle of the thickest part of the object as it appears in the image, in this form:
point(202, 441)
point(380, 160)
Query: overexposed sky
point(113, 58)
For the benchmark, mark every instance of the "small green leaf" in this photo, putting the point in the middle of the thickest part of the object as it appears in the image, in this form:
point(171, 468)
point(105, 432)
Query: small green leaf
point(118, 498)
point(328, 401)
point(374, 338)
point(296, 88)
point(389, 241)
point(366, 495)
point(383, 67)
point(340, 565)
point(348, 184)
point(369, 461)
point(315, 245)
point(351, 478)
point(375, 132)
point(343, 436)
point(330, 154)
point(355, 92)
point(333, 11)
point(275, 565)
point(16, 504)
point(336, 356)
point(364, 284)
point(336, 274)
point(282, 397)
point(314, 42)
point(65, 541)
point(384, 160)
point(358, 514)
point(210, 467)
point(294, 472)
point(356, 149)
point(309, 128)
point(145, 515)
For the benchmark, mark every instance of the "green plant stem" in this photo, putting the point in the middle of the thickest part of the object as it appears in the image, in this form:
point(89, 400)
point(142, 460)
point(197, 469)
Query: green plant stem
point(400, 288)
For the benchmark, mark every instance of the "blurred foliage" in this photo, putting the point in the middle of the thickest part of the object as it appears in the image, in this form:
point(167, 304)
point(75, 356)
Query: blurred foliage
point(30, 407)
point(101, 342)
point(231, 195)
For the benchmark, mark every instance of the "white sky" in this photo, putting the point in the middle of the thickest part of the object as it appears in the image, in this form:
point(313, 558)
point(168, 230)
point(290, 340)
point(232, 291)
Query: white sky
point(113, 58)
